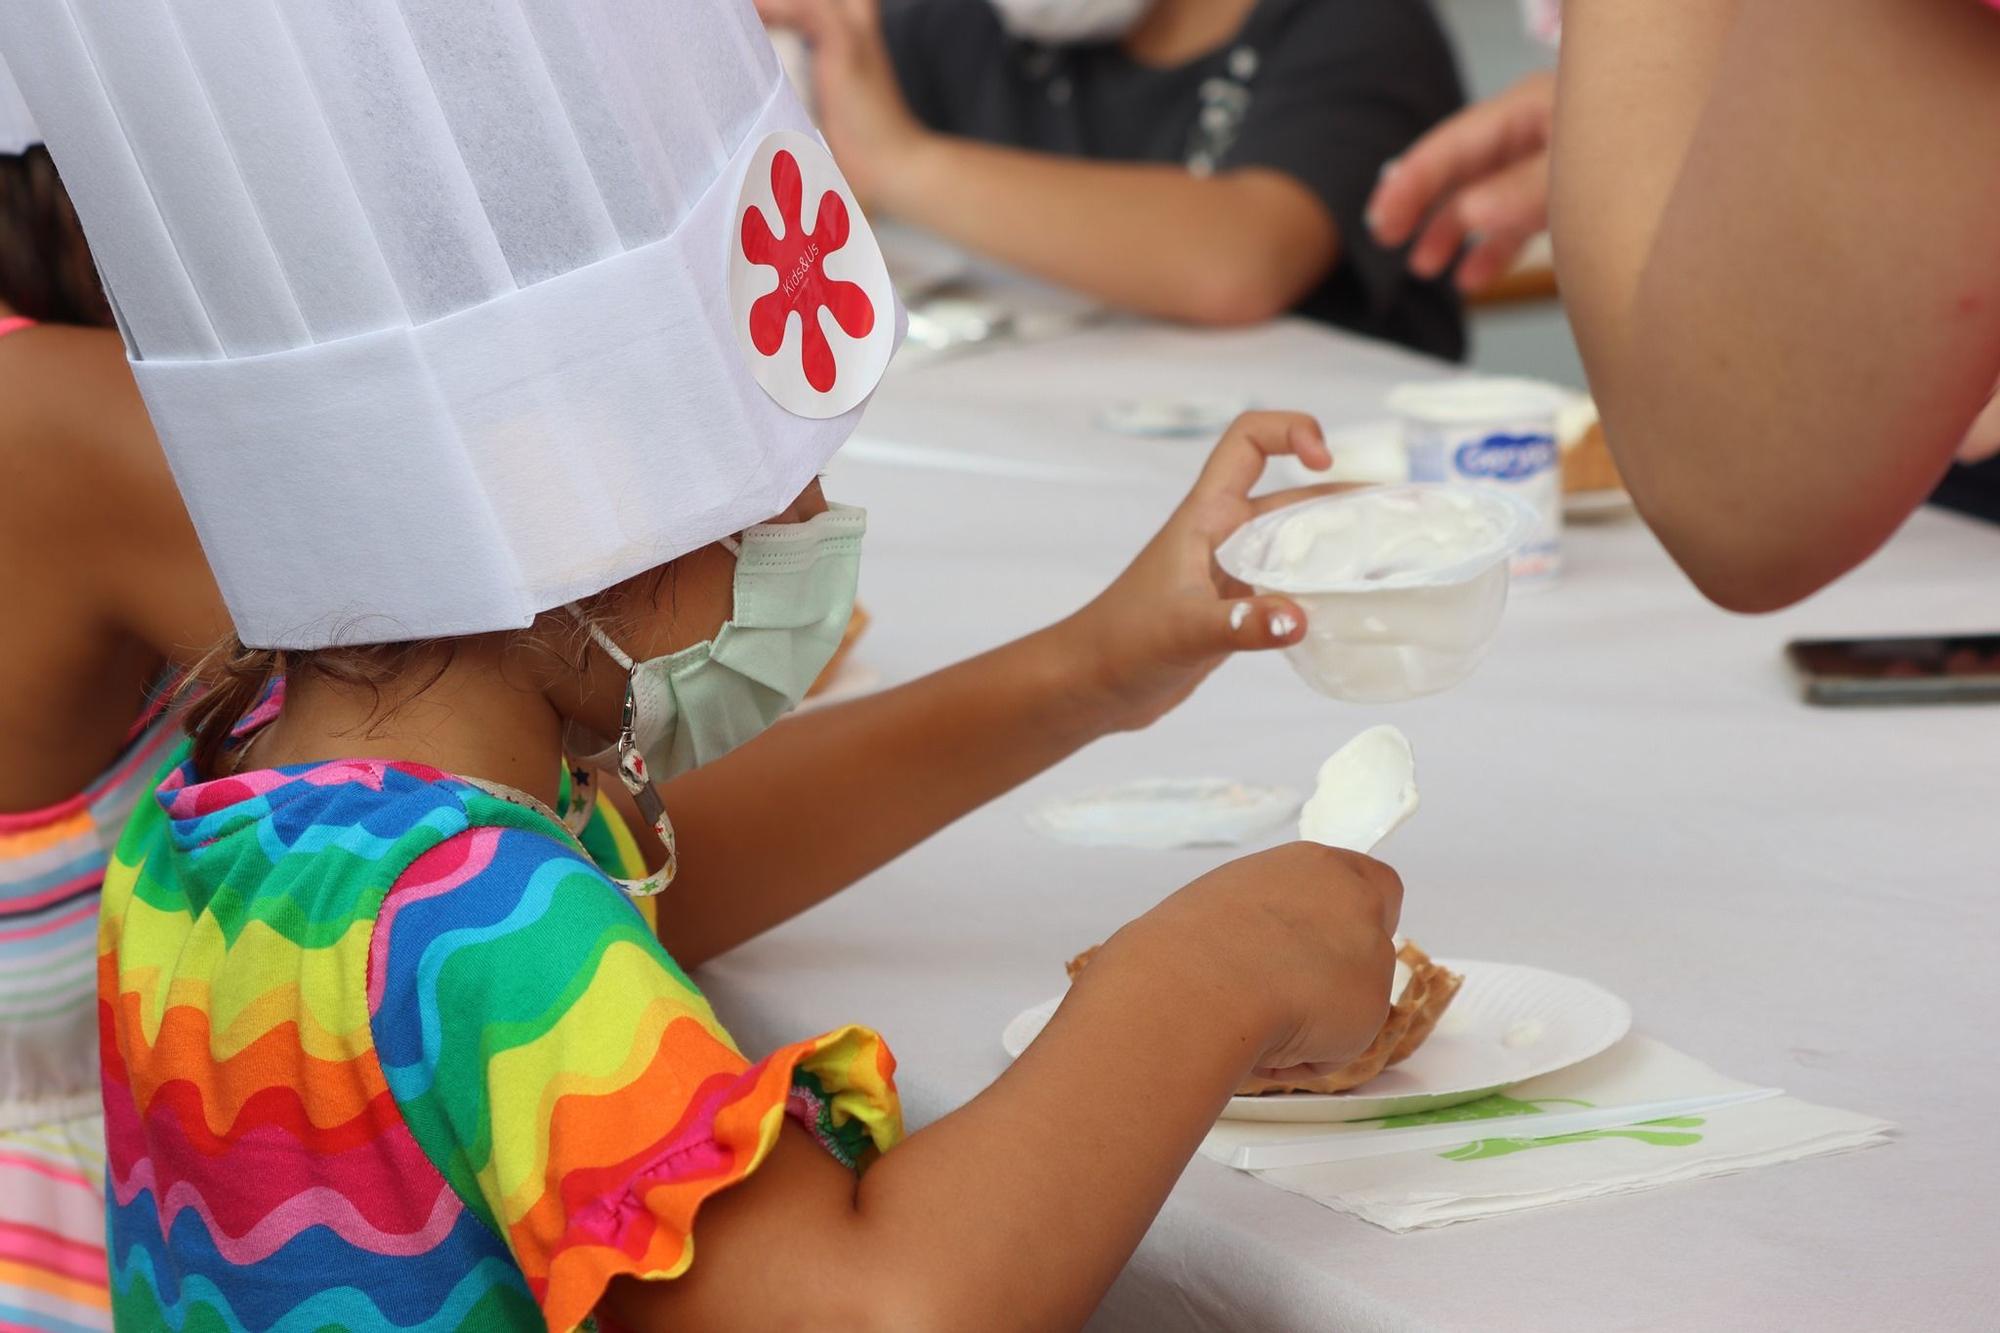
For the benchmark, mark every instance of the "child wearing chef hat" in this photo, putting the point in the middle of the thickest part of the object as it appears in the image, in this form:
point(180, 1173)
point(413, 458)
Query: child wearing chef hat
point(497, 349)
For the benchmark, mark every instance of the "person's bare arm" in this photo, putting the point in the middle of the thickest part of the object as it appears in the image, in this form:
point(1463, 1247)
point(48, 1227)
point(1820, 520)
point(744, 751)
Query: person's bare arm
point(138, 548)
point(822, 799)
point(106, 579)
point(1234, 248)
point(1774, 232)
point(1017, 1211)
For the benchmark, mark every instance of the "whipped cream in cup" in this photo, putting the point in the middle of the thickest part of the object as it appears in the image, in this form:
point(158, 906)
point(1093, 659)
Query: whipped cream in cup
point(1402, 586)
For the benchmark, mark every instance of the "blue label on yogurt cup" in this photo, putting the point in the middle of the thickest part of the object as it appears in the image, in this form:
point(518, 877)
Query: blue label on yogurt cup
point(1504, 457)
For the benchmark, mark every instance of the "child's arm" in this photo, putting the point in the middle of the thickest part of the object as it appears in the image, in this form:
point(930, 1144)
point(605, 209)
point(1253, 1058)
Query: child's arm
point(824, 798)
point(106, 577)
point(1235, 248)
point(1238, 247)
point(1775, 235)
point(1017, 1211)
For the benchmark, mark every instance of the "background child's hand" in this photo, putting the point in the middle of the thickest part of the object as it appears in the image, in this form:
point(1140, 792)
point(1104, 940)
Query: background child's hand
point(861, 109)
point(1297, 940)
point(1173, 615)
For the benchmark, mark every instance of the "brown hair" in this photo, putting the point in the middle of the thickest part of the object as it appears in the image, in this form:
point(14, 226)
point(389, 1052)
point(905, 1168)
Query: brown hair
point(227, 683)
point(46, 272)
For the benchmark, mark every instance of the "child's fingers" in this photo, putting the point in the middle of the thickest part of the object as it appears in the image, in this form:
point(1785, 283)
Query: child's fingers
point(1439, 244)
point(1501, 215)
point(1238, 459)
point(1252, 624)
point(1464, 148)
point(1488, 260)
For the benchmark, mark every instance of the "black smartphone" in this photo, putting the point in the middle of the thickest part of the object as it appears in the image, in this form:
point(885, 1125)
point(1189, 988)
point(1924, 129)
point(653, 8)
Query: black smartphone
point(1935, 669)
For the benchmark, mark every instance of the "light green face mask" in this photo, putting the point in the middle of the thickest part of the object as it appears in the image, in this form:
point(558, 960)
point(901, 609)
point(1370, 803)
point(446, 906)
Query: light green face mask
point(794, 593)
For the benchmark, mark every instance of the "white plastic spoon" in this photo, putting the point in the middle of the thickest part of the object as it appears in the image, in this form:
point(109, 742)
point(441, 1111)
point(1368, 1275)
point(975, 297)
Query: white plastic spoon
point(1366, 790)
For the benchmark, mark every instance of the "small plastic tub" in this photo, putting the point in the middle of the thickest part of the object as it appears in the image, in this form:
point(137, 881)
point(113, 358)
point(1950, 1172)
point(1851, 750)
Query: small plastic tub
point(1492, 432)
point(1402, 586)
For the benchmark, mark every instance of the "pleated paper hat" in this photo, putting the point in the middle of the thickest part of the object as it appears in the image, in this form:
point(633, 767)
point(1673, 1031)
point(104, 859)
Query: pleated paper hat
point(17, 128)
point(451, 311)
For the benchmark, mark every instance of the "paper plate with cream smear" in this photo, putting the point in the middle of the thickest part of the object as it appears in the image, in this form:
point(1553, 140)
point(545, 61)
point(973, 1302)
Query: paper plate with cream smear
point(1509, 1023)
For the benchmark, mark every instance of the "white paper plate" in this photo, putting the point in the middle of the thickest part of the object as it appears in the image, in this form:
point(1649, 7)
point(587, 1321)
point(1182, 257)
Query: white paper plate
point(1509, 1024)
point(1158, 813)
point(1598, 506)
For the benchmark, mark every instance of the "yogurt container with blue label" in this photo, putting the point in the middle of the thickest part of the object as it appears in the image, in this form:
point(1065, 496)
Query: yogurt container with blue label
point(1498, 433)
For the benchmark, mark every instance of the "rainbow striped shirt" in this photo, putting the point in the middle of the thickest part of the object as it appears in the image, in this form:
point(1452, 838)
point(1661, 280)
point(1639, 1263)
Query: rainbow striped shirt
point(383, 1050)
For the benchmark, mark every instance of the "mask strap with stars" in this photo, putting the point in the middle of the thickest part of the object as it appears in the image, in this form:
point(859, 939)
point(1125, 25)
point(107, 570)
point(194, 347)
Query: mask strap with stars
point(630, 765)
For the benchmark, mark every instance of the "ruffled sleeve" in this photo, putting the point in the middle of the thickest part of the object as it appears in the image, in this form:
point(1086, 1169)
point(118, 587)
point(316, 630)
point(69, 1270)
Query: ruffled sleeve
point(567, 1078)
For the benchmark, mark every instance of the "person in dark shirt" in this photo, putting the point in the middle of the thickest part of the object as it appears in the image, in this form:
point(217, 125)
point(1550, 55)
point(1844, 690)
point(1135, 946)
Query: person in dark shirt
point(1211, 165)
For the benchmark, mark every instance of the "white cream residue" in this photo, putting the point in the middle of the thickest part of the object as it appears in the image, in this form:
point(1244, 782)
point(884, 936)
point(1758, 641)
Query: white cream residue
point(1524, 1033)
point(1366, 790)
point(1380, 536)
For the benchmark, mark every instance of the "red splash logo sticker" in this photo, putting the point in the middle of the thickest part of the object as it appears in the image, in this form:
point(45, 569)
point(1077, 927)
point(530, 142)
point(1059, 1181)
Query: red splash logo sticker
point(799, 256)
point(828, 274)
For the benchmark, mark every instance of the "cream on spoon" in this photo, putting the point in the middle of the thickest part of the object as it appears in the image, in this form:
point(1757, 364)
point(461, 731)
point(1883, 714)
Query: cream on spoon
point(1367, 788)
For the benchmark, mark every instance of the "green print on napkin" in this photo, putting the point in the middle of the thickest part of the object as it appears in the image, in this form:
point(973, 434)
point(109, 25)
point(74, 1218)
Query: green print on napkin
point(1669, 1133)
point(1486, 1108)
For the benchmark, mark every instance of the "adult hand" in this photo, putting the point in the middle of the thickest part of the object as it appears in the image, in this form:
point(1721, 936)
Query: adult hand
point(1478, 182)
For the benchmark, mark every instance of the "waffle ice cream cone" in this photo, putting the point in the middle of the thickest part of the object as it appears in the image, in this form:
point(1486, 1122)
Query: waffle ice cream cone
point(1587, 465)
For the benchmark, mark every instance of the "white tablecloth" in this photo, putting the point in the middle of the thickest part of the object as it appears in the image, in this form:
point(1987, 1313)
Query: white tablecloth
point(1628, 790)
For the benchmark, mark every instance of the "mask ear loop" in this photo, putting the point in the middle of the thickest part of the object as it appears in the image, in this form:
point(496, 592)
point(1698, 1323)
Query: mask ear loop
point(632, 770)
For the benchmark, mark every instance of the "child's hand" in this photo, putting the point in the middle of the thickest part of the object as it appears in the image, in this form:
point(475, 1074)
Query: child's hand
point(1173, 615)
point(862, 111)
point(1296, 943)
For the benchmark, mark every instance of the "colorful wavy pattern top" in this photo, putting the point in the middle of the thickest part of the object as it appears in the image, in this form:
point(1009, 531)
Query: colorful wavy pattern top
point(385, 1051)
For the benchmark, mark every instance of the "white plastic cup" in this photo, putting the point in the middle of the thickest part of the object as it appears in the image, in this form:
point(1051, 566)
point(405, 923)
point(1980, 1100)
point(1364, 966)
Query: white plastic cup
point(1383, 637)
point(1499, 433)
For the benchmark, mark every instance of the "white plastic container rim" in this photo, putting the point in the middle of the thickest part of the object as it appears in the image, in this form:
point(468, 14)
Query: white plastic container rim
point(1469, 400)
point(1243, 555)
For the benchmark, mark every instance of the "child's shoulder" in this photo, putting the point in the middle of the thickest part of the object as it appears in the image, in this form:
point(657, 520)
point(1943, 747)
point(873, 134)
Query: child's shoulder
point(348, 833)
point(504, 871)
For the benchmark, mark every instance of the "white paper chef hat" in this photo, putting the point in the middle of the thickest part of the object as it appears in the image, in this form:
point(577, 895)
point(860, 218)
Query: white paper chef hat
point(17, 128)
point(451, 311)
